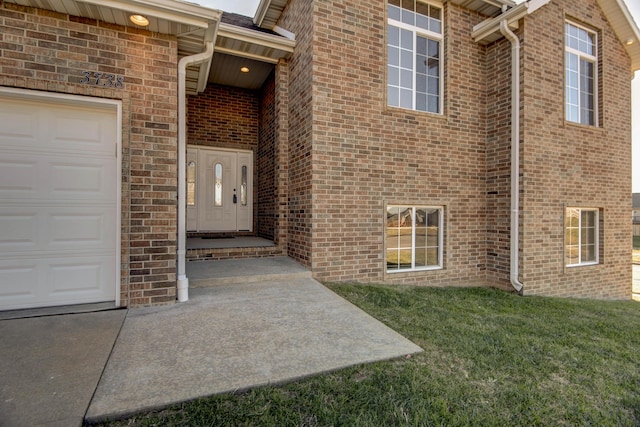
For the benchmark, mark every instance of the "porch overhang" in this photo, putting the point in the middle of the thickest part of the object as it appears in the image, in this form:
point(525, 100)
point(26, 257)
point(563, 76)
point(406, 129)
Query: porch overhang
point(193, 25)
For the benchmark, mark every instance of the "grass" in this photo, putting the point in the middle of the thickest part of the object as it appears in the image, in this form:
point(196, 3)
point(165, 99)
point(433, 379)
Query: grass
point(491, 359)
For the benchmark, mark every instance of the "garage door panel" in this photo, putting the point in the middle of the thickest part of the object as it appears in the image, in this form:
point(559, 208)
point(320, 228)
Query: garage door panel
point(55, 281)
point(13, 276)
point(84, 277)
point(81, 129)
point(41, 229)
point(59, 193)
point(18, 230)
point(75, 230)
point(56, 178)
point(69, 179)
point(19, 124)
point(17, 176)
point(28, 124)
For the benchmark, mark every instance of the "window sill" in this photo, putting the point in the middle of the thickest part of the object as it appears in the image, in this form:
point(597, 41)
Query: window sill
point(409, 112)
point(597, 128)
point(585, 264)
point(414, 270)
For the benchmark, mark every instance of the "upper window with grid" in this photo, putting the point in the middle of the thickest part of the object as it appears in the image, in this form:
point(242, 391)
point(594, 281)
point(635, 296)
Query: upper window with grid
point(580, 75)
point(414, 73)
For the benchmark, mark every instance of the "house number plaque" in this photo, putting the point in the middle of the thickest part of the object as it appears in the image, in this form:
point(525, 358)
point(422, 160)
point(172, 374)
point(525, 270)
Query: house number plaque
point(102, 79)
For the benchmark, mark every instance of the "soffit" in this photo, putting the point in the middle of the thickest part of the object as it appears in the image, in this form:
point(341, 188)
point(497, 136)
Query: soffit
point(485, 7)
point(268, 13)
point(625, 28)
point(243, 44)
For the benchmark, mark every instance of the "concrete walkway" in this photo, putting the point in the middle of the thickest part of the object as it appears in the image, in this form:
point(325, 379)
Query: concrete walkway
point(226, 337)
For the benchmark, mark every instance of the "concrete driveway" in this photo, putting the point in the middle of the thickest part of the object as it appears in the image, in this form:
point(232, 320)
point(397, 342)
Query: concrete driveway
point(225, 338)
point(50, 366)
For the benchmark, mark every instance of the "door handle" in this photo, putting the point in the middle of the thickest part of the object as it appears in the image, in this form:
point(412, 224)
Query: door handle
point(235, 198)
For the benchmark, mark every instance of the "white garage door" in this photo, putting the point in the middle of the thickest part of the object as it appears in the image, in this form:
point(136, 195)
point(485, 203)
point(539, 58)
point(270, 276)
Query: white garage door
point(59, 206)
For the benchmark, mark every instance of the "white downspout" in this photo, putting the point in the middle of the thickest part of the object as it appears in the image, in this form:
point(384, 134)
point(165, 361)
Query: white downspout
point(183, 281)
point(515, 155)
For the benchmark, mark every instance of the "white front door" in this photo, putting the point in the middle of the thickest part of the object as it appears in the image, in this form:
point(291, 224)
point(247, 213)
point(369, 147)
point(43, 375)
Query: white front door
point(219, 190)
point(59, 211)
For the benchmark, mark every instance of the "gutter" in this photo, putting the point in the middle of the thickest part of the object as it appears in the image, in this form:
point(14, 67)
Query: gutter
point(199, 58)
point(515, 156)
point(484, 32)
point(486, 29)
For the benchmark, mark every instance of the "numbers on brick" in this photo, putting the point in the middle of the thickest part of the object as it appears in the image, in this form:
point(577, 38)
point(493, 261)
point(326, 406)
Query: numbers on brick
point(102, 79)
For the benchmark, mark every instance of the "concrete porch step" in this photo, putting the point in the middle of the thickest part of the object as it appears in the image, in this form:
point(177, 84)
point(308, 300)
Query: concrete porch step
point(203, 274)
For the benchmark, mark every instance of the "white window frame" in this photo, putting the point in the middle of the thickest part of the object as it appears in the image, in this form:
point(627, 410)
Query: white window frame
point(596, 236)
point(417, 31)
point(413, 267)
point(587, 57)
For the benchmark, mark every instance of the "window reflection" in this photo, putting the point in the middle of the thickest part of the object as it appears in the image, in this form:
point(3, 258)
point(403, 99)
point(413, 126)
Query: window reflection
point(217, 195)
point(191, 183)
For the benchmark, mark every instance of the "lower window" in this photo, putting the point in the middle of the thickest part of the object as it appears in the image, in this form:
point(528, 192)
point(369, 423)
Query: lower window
point(414, 238)
point(581, 236)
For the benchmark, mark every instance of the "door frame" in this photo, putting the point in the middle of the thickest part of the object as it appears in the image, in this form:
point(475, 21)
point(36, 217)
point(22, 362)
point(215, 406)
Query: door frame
point(91, 102)
point(251, 192)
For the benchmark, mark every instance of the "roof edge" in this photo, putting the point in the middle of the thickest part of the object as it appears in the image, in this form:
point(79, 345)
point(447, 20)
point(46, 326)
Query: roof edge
point(261, 12)
point(173, 10)
point(618, 14)
point(252, 36)
point(483, 31)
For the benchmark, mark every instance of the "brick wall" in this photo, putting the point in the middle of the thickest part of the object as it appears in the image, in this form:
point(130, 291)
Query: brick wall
point(298, 18)
point(360, 154)
point(498, 173)
point(223, 116)
point(366, 154)
point(267, 198)
point(565, 164)
point(47, 51)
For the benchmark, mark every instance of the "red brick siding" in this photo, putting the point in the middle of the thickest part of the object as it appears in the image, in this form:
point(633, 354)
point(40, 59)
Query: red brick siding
point(572, 165)
point(366, 154)
point(298, 18)
point(223, 116)
point(266, 188)
point(47, 51)
point(498, 173)
point(281, 101)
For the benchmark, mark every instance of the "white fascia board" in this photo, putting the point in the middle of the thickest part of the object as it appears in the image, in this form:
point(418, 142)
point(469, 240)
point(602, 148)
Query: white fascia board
point(203, 75)
point(171, 10)
point(625, 28)
point(261, 12)
point(500, 3)
point(512, 16)
point(255, 37)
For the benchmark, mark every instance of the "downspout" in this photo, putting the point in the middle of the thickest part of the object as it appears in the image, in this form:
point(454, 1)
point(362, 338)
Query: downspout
point(515, 155)
point(199, 58)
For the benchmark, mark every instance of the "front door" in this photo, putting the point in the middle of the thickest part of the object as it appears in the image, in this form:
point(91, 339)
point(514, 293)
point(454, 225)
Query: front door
point(219, 190)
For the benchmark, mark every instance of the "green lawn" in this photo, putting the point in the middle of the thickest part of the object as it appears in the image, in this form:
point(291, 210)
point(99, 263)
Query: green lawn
point(491, 359)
